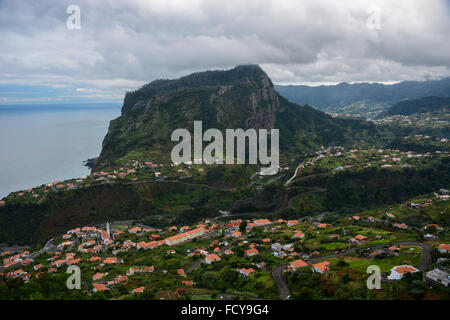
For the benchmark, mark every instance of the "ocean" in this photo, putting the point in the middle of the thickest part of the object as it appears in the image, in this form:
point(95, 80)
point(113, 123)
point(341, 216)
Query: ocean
point(43, 143)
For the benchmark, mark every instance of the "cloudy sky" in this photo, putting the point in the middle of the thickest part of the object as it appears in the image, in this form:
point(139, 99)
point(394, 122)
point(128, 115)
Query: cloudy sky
point(123, 44)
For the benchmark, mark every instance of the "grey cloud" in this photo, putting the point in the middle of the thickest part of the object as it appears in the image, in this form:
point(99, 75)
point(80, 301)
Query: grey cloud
point(123, 44)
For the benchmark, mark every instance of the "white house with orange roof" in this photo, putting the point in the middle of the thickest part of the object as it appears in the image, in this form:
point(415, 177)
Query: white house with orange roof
point(186, 236)
point(359, 239)
point(294, 265)
point(298, 235)
point(321, 267)
point(138, 290)
point(291, 223)
point(398, 272)
point(246, 272)
point(134, 230)
point(444, 248)
point(251, 252)
point(210, 258)
point(262, 222)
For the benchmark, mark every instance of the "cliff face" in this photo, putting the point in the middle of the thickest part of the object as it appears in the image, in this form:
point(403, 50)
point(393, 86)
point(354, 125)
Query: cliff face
point(243, 97)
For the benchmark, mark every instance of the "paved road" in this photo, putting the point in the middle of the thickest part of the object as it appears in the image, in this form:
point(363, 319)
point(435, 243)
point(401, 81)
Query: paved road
point(283, 288)
point(49, 247)
point(425, 261)
point(194, 266)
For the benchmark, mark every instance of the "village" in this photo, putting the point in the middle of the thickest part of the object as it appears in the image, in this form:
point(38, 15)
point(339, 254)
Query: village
point(136, 167)
point(255, 257)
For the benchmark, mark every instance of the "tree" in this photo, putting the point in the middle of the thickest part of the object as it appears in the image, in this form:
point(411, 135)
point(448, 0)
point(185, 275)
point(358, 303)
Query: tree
point(243, 226)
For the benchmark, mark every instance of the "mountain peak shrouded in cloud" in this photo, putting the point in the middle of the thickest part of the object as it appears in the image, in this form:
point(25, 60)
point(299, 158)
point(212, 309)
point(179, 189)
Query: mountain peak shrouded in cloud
point(122, 44)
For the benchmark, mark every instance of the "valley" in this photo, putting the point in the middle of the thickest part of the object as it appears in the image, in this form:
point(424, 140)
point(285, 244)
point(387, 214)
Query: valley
point(347, 194)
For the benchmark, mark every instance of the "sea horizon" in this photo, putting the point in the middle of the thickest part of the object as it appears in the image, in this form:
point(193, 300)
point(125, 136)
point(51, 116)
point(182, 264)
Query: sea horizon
point(42, 143)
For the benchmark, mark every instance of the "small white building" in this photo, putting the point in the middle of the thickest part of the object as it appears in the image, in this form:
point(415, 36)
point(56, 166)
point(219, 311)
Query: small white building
point(438, 276)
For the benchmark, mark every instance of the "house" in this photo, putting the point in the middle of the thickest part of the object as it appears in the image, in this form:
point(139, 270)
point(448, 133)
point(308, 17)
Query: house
point(94, 259)
point(291, 223)
point(138, 290)
point(333, 236)
point(73, 261)
point(147, 245)
point(262, 222)
point(187, 283)
point(294, 265)
point(99, 287)
point(132, 270)
point(438, 276)
point(429, 236)
point(401, 225)
point(390, 215)
point(359, 239)
point(181, 272)
point(321, 267)
point(121, 279)
point(228, 252)
point(356, 218)
point(186, 236)
point(110, 260)
point(322, 225)
point(266, 240)
point(98, 275)
point(37, 267)
point(250, 226)
point(246, 272)
point(58, 263)
point(393, 248)
point(415, 205)
point(210, 258)
point(17, 273)
point(276, 247)
point(251, 252)
point(134, 230)
point(444, 248)
point(147, 269)
point(398, 271)
point(236, 234)
point(298, 235)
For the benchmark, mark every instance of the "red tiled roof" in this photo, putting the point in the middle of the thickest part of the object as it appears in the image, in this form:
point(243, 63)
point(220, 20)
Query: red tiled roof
point(405, 269)
point(323, 266)
point(298, 263)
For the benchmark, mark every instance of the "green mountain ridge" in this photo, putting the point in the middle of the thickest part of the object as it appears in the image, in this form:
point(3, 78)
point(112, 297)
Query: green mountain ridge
point(365, 97)
point(423, 105)
point(243, 97)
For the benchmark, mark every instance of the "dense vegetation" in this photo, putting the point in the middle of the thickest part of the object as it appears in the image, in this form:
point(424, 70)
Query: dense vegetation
point(371, 187)
point(26, 224)
point(423, 105)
